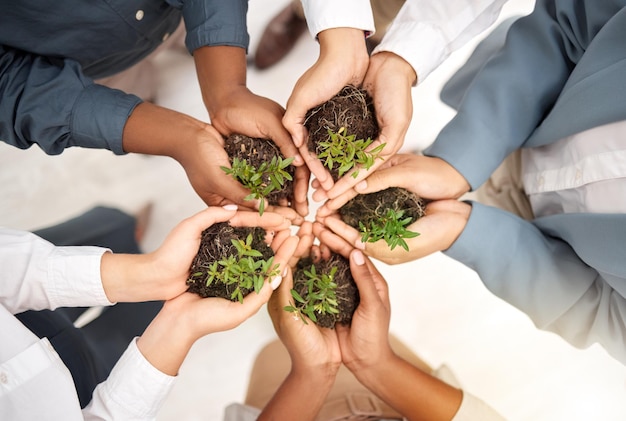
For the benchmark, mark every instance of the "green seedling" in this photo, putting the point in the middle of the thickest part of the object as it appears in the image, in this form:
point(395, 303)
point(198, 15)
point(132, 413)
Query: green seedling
point(246, 271)
point(320, 296)
point(346, 152)
point(391, 228)
point(262, 181)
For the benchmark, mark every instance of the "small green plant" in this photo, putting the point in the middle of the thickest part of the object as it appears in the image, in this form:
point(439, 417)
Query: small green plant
point(270, 176)
point(320, 296)
point(246, 270)
point(391, 228)
point(346, 152)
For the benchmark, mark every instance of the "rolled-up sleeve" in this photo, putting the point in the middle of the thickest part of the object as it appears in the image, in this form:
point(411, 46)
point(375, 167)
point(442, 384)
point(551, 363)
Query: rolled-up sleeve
point(49, 102)
point(212, 23)
point(327, 14)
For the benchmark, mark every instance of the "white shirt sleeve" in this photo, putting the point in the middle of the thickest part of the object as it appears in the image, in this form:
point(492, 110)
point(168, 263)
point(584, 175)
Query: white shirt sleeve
point(426, 32)
point(326, 14)
point(38, 275)
point(135, 390)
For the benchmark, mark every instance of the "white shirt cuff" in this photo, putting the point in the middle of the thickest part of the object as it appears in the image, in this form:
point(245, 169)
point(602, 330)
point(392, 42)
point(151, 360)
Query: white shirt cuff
point(326, 14)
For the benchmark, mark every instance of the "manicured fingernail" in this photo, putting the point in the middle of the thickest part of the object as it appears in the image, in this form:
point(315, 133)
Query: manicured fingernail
point(230, 207)
point(276, 281)
point(361, 186)
point(358, 258)
point(359, 244)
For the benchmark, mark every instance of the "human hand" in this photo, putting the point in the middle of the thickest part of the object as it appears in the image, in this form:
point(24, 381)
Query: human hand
point(430, 178)
point(314, 351)
point(388, 80)
point(342, 61)
point(365, 342)
point(162, 274)
point(443, 222)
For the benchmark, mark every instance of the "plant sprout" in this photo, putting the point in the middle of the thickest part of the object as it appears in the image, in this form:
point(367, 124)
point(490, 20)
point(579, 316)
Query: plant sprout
point(260, 181)
point(320, 296)
point(246, 270)
point(345, 151)
point(391, 228)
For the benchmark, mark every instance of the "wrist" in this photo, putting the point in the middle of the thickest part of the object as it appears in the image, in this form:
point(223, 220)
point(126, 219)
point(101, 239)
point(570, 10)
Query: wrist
point(392, 63)
point(345, 45)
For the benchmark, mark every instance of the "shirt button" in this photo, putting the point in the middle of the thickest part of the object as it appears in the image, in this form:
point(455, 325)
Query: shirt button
point(139, 14)
point(579, 175)
point(3, 378)
point(166, 36)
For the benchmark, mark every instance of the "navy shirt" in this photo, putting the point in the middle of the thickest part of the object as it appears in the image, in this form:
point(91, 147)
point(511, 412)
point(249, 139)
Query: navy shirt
point(50, 52)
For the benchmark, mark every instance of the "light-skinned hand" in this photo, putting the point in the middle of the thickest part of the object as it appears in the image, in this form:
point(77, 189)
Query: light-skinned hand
point(342, 61)
point(162, 274)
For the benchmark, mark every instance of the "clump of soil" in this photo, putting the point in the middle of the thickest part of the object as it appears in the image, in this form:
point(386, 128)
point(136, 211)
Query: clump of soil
point(216, 245)
point(372, 207)
point(346, 292)
point(257, 151)
point(352, 108)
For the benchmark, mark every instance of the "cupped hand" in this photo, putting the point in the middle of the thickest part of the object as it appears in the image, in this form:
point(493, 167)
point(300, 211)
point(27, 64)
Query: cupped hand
point(343, 60)
point(310, 347)
point(388, 80)
point(430, 178)
point(438, 229)
point(365, 342)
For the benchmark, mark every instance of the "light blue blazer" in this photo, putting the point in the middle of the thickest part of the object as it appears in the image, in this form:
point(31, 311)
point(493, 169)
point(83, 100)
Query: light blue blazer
point(560, 71)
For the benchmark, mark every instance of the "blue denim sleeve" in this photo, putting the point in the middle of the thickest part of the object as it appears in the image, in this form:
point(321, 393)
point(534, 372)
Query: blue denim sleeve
point(214, 22)
point(49, 102)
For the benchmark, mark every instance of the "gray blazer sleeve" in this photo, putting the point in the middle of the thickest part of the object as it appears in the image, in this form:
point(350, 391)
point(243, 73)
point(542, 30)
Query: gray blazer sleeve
point(49, 102)
point(519, 85)
point(567, 272)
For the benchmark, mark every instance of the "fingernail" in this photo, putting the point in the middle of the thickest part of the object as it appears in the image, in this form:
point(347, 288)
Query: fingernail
point(359, 244)
point(361, 186)
point(230, 207)
point(276, 282)
point(297, 160)
point(285, 272)
point(358, 258)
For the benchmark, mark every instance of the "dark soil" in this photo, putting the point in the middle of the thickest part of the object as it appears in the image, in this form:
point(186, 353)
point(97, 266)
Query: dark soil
point(351, 108)
point(257, 151)
point(369, 207)
point(216, 245)
point(346, 292)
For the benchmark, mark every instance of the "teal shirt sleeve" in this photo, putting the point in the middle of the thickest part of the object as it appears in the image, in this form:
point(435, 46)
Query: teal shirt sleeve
point(214, 22)
point(49, 102)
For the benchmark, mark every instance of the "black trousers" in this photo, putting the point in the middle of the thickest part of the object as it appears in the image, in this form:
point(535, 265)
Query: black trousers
point(91, 352)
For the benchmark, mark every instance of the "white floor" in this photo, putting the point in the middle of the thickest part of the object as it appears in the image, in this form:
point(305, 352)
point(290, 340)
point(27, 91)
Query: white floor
point(447, 316)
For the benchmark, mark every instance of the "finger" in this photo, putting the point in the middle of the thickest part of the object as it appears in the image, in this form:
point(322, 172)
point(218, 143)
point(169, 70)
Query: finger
point(317, 168)
point(287, 212)
point(335, 227)
point(372, 286)
point(301, 190)
point(283, 255)
point(293, 121)
point(197, 223)
point(332, 205)
point(268, 221)
point(332, 241)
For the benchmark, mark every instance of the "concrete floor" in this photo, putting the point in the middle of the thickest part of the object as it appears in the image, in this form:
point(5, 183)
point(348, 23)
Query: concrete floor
point(440, 308)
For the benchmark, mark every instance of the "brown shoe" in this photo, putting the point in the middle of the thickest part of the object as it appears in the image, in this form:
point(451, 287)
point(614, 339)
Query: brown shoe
point(279, 37)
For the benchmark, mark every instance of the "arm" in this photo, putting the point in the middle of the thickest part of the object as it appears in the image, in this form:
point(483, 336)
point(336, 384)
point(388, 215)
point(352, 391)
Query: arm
point(518, 86)
point(314, 353)
point(420, 38)
point(49, 102)
point(366, 352)
point(553, 270)
point(340, 28)
point(144, 374)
